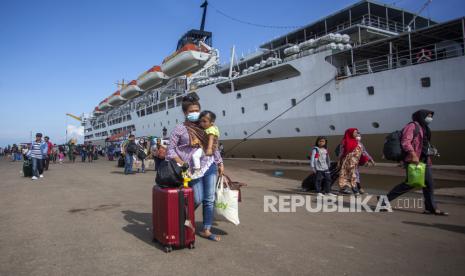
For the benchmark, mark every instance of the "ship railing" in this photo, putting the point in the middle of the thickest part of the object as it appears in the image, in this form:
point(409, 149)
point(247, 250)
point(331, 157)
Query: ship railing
point(418, 55)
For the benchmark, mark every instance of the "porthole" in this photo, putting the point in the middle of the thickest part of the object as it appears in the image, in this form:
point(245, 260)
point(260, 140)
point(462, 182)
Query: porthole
point(225, 134)
point(245, 132)
point(265, 106)
point(243, 110)
point(332, 127)
point(238, 95)
point(224, 112)
point(297, 129)
point(293, 102)
point(269, 131)
point(167, 112)
point(375, 124)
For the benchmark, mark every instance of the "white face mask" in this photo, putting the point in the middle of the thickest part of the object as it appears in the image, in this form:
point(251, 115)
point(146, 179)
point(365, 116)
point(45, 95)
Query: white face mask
point(428, 120)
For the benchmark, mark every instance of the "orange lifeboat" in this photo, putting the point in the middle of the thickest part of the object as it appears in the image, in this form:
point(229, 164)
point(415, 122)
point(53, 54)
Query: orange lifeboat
point(116, 99)
point(152, 78)
point(131, 90)
point(188, 59)
point(104, 105)
point(97, 112)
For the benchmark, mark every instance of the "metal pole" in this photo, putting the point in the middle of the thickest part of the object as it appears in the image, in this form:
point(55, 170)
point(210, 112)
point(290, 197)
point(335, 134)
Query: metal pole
point(350, 17)
point(387, 19)
point(463, 35)
point(369, 14)
point(410, 48)
point(326, 27)
point(359, 37)
point(390, 55)
point(305, 35)
point(354, 71)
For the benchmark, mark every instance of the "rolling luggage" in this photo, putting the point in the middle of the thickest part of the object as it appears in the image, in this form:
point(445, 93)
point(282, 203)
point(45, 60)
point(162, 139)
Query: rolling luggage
point(27, 168)
point(308, 184)
point(173, 217)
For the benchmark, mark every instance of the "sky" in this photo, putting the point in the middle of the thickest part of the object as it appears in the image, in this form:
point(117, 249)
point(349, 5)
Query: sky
point(65, 56)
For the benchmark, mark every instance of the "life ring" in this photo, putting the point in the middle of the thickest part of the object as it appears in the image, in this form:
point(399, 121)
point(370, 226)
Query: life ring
point(424, 55)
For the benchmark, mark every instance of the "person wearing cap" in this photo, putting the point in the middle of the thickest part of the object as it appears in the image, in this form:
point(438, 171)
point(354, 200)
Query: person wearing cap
point(37, 154)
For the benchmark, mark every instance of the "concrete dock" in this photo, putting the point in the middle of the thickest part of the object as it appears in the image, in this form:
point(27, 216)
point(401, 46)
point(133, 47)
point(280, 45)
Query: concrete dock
point(90, 219)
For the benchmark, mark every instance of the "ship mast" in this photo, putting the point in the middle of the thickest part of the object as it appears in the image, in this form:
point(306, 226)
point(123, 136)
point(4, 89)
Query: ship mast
point(204, 6)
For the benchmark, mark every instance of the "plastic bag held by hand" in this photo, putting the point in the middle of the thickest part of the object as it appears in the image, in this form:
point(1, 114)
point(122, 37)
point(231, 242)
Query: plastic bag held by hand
point(416, 175)
point(226, 202)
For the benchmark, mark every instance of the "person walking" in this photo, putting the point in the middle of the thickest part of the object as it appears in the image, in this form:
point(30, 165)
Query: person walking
point(37, 154)
point(49, 152)
point(129, 149)
point(183, 143)
point(416, 143)
point(351, 152)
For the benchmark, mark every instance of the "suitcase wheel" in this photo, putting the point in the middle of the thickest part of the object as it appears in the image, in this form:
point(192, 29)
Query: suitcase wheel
point(168, 249)
point(191, 246)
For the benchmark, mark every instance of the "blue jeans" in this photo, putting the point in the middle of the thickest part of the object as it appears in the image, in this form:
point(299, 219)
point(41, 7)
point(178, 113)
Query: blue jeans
point(204, 192)
point(36, 166)
point(128, 160)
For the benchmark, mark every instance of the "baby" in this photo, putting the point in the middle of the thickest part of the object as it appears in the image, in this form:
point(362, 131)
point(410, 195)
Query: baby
point(207, 122)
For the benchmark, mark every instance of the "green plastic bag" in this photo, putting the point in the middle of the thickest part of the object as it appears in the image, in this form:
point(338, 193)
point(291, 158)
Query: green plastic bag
point(416, 175)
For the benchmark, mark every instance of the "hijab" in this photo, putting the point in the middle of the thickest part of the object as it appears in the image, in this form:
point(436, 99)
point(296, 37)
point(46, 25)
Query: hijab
point(349, 143)
point(419, 117)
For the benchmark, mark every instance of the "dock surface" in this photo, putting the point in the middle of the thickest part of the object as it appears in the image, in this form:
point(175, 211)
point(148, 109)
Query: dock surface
point(90, 219)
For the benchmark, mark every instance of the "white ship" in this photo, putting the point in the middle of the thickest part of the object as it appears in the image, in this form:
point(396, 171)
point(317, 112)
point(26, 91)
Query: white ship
point(368, 66)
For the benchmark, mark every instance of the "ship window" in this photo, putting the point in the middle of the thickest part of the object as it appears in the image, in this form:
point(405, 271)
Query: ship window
point(224, 112)
point(171, 103)
point(297, 129)
point(149, 110)
point(332, 127)
point(265, 106)
point(375, 124)
point(269, 131)
point(426, 82)
point(142, 113)
point(238, 95)
point(328, 97)
point(167, 112)
point(243, 110)
point(178, 101)
point(225, 134)
point(371, 90)
point(128, 117)
point(138, 113)
point(293, 102)
point(161, 106)
point(245, 132)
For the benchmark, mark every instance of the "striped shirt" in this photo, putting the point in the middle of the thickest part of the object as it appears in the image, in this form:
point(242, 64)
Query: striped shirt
point(36, 151)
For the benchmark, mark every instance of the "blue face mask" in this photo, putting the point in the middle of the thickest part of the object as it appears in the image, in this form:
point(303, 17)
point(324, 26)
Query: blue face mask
point(193, 116)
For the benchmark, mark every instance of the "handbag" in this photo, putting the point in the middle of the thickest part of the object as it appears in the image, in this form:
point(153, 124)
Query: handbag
point(416, 175)
point(226, 202)
point(169, 174)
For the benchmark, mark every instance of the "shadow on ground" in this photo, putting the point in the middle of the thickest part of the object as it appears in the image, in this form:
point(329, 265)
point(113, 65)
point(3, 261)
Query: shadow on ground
point(448, 227)
point(140, 226)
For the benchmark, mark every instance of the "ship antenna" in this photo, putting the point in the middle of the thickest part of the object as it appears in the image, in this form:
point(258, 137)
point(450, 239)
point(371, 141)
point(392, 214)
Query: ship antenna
point(418, 13)
point(204, 6)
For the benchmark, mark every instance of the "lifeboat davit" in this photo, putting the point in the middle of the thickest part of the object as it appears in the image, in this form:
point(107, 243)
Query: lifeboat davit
point(131, 90)
point(104, 105)
point(97, 112)
point(116, 99)
point(152, 78)
point(188, 59)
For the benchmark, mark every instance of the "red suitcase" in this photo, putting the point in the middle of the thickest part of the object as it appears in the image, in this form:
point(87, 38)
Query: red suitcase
point(173, 217)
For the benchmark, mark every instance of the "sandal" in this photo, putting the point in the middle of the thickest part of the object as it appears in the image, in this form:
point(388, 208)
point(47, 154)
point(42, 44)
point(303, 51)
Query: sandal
point(212, 237)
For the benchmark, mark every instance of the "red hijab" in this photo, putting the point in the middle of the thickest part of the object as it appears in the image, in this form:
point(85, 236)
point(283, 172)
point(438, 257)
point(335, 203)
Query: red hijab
point(349, 142)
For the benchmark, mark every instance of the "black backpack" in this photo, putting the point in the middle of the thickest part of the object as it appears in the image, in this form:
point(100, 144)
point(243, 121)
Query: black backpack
point(131, 148)
point(169, 174)
point(392, 149)
point(141, 153)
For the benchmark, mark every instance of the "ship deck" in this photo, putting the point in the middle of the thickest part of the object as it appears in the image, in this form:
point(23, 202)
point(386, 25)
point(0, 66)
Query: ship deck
point(90, 219)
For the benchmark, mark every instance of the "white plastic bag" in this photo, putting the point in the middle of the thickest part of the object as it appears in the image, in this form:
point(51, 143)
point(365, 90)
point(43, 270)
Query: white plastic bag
point(226, 202)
